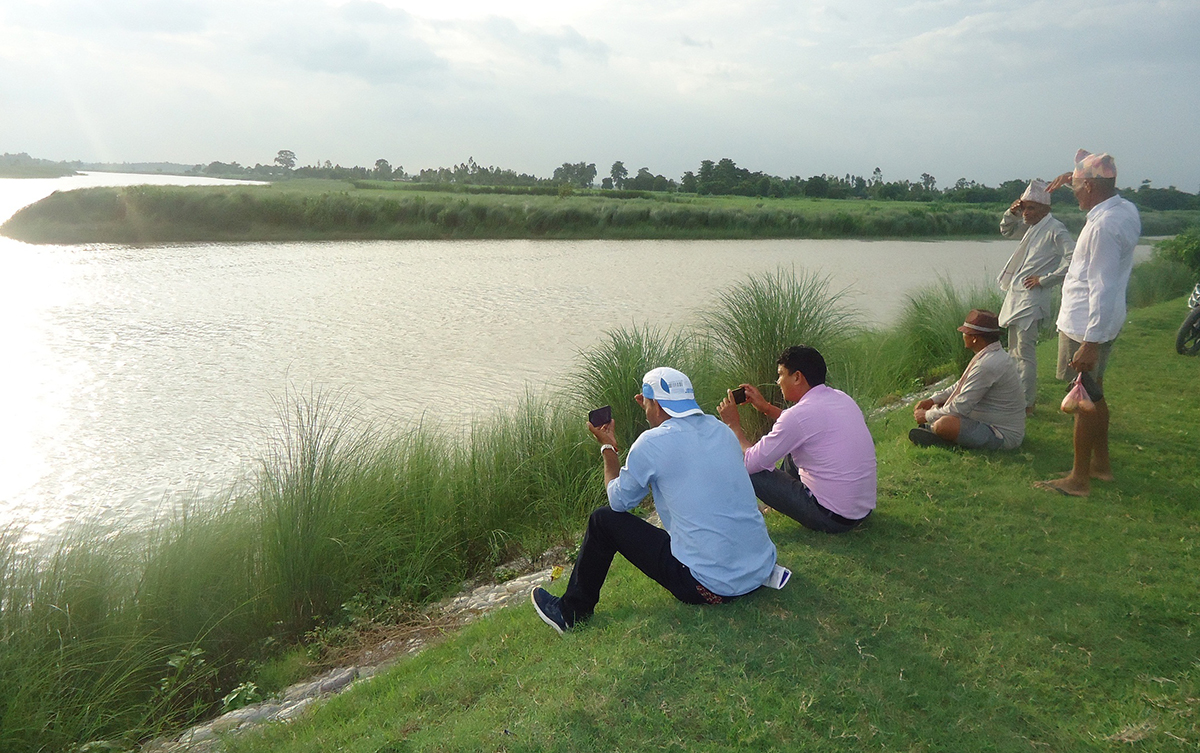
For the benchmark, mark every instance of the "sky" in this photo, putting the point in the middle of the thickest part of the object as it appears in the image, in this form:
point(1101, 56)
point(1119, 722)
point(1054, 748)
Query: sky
point(975, 89)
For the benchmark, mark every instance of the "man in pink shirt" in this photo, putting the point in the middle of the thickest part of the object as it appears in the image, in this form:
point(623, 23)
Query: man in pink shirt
point(827, 482)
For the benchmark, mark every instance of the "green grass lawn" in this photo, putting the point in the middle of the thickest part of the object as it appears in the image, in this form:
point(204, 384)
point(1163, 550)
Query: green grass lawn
point(972, 613)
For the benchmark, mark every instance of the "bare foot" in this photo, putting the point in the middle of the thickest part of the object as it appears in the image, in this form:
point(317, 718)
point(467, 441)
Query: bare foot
point(1103, 475)
point(1065, 485)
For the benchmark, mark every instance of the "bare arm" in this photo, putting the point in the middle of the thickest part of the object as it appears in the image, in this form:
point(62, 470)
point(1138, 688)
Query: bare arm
point(728, 411)
point(755, 398)
point(606, 435)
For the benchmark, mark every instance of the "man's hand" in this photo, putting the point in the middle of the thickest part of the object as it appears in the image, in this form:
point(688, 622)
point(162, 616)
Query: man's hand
point(756, 399)
point(1086, 358)
point(606, 434)
point(1032, 281)
point(919, 410)
point(1059, 182)
point(1015, 207)
point(728, 411)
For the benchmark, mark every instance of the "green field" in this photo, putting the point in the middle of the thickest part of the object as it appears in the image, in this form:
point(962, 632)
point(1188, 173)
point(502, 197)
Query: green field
point(333, 210)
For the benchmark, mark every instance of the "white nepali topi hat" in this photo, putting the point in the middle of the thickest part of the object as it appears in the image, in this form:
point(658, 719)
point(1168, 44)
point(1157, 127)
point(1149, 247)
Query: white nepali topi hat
point(672, 390)
point(1088, 165)
point(1036, 192)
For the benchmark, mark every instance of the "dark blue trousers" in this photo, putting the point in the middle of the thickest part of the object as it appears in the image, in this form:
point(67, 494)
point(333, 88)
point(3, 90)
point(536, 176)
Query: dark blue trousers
point(646, 546)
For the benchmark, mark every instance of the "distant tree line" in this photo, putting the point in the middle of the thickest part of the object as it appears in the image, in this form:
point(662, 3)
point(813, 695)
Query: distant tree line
point(21, 165)
point(720, 178)
point(470, 173)
point(725, 178)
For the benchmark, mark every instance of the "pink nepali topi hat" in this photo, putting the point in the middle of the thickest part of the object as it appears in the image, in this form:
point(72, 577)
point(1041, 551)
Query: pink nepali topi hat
point(1088, 165)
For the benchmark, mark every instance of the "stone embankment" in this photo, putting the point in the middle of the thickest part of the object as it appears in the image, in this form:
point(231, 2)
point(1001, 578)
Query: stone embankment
point(447, 615)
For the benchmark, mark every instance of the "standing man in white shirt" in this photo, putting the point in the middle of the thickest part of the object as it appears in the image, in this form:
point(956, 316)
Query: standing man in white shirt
point(1093, 308)
point(1039, 263)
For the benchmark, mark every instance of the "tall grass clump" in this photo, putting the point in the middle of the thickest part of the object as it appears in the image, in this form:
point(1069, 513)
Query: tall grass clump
point(77, 660)
point(117, 637)
point(350, 513)
point(307, 497)
point(610, 373)
point(529, 477)
point(929, 324)
point(201, 581)
point(754, 320)
point(1159, 279)
point(1171, 272)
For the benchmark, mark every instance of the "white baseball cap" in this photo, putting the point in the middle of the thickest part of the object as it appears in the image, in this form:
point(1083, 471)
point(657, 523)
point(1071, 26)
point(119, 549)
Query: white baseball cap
point(672, 390)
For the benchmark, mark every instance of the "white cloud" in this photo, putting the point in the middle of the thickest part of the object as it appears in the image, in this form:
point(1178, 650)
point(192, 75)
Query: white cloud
point(789, 87)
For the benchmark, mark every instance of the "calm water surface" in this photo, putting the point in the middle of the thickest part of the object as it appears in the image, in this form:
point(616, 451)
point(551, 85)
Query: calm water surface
point(137, 376)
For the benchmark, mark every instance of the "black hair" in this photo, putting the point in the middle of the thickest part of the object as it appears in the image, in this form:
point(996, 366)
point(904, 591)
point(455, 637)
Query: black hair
point(808, 361)
point(988, 337)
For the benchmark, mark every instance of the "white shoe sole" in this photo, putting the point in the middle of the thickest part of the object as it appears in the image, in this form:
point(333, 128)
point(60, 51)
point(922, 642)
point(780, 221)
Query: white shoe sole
point(538, 609)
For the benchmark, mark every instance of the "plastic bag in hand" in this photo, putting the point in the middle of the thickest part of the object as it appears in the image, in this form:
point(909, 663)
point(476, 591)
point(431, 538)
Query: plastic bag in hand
point(1077, 399)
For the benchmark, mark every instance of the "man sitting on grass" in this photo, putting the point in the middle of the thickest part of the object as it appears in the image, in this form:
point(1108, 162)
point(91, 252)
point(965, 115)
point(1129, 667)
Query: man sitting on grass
point(985, 408)
point(827, 482)
point(715, 546)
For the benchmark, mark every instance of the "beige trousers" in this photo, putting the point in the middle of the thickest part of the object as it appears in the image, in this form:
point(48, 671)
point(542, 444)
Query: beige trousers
point(1022, 346)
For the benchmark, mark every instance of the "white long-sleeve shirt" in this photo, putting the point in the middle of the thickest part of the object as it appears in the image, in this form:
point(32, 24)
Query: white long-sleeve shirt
point(1093, 295)
point(1045, 251)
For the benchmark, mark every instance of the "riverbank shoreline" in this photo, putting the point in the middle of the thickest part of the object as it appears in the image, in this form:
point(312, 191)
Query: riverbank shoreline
point(330, 210)
point(341, 529)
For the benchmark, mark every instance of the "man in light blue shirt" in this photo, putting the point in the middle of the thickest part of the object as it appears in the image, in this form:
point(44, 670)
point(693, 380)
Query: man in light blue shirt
point(715, 545)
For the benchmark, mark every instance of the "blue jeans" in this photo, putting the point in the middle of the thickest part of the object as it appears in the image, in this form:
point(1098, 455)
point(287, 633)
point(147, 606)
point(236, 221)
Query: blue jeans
point(781, 489)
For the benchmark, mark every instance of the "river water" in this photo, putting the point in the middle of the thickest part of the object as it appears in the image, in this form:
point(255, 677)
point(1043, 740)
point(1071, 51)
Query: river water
point(138, 376)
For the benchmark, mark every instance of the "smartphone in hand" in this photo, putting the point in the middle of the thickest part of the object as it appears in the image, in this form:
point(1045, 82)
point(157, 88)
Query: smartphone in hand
point(600, 416)
point(739, 395)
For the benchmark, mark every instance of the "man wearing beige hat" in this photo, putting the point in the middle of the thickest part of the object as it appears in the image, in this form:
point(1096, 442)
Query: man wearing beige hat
point(985, 408)
point(1038, 264)
point(1093, 308)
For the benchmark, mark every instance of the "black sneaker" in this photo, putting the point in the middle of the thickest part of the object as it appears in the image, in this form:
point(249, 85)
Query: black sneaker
point(923, 437)
point(549, 608)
